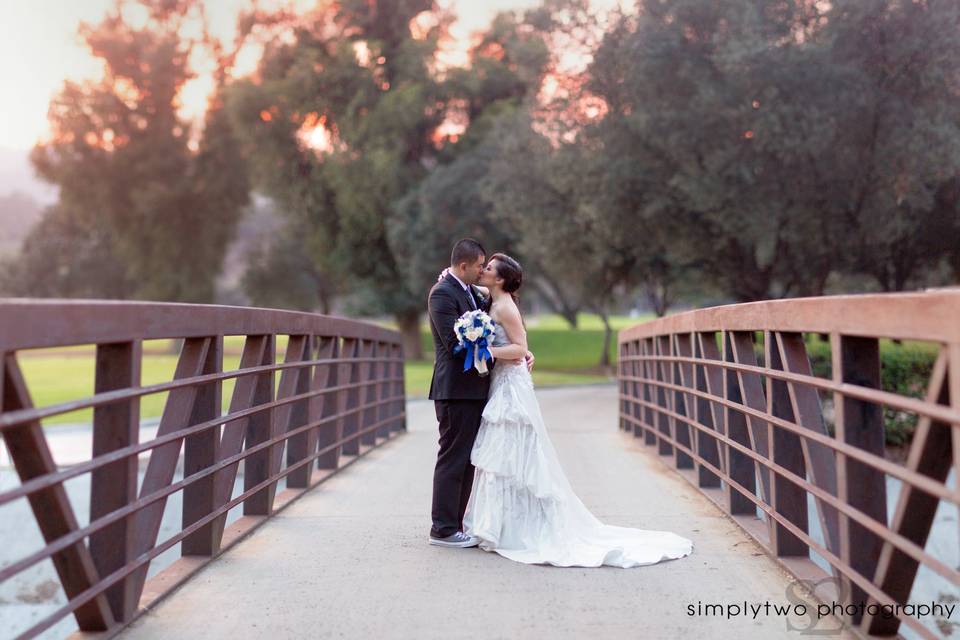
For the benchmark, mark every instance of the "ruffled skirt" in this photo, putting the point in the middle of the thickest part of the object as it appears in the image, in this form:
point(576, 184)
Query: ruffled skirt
point(522, 506)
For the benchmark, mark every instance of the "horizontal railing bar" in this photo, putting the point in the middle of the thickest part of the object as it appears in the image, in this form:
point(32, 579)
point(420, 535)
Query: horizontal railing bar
point(48, 480)
point(33, 323)
point(926, 316)
point(832, 559)
point(14, 418)
point(72, 538)
point(94, 590)
point(914, 479)
point(879, 396)
point(901, 543)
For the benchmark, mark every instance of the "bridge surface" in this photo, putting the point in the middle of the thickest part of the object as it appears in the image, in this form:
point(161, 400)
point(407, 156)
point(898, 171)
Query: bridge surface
point(351, 559)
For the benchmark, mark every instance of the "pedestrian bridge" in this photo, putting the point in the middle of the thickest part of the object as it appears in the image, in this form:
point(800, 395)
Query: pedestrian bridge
point(304, 507)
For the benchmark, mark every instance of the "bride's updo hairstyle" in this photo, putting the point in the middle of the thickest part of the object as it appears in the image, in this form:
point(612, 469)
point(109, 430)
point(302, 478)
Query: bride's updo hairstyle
point(511, 272)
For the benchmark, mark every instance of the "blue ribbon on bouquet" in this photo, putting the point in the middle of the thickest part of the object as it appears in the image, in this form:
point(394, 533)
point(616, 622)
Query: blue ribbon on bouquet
point(474, 350)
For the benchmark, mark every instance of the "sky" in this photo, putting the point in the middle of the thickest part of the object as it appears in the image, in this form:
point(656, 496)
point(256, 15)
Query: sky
point(39, 49)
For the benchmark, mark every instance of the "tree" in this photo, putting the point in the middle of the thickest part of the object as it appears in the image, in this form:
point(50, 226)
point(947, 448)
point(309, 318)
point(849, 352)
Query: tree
point(506, 68)
point(281, 273)
point(545, 193)
point(901, 133)
point(357, 74)
point(791, 141)
point(499, 96)
point(707, 114)
point(946, 225)
point(61, 258)
point(121, 156)
point(18, 213)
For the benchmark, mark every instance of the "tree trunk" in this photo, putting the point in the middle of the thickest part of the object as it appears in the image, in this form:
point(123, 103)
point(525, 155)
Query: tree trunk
point(326, 291)
point(607, 337)
point(570, 315)
point(409, 323)
point(324, 300)
point(743, 278)
point(556, 300)
point(658, 296)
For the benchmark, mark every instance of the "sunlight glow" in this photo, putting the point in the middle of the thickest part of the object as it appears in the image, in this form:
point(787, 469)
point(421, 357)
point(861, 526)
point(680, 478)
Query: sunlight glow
point(39, 49)
point(421, 24)
point(362, 52)
point(315, 135)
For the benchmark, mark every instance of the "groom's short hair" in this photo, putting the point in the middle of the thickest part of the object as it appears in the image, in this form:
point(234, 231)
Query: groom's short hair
point(466, 250)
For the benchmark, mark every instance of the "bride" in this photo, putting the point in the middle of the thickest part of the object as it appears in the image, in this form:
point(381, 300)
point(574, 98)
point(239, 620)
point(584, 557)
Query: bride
point(522, 506)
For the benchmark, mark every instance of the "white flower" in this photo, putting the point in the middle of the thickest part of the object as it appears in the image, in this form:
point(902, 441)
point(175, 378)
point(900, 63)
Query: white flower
point(469, 329)
point(473, 326)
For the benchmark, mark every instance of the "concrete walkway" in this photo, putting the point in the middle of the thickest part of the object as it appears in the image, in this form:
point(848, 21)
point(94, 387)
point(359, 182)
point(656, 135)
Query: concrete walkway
point(351, 559)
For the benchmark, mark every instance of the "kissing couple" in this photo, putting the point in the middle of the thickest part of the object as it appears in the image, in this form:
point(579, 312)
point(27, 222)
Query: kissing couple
point(498, 483)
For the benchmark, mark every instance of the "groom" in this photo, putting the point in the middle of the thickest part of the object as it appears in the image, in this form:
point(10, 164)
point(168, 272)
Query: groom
point(459, 396)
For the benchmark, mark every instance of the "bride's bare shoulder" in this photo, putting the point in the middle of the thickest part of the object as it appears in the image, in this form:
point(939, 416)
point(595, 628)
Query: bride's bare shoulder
point(505, 310)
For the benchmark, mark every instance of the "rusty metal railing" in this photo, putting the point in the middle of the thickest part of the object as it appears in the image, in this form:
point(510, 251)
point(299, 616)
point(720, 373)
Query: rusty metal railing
point(340, 393)
point(729, 396)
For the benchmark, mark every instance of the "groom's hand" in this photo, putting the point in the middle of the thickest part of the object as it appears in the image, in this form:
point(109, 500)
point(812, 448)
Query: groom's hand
point(529, 358)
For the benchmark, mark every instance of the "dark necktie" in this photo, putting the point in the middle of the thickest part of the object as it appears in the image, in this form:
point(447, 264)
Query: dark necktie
point(473, 301)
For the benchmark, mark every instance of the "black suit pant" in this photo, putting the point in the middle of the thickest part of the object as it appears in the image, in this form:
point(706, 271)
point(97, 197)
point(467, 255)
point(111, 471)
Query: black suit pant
point(453, 475)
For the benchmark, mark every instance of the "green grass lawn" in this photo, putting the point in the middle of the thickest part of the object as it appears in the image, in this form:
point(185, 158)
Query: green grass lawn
point(418, 378)
point(585, 321)
point(564, 356)
point(560, 349)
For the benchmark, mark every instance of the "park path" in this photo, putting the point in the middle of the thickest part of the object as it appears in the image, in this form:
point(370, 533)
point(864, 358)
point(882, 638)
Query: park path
point(350, 559)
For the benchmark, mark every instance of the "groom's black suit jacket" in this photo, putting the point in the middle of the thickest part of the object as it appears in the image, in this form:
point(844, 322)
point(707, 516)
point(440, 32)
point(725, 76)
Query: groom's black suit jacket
point(447, 302)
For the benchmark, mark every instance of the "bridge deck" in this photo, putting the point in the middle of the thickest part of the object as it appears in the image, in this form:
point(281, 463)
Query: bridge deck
point(350, 559)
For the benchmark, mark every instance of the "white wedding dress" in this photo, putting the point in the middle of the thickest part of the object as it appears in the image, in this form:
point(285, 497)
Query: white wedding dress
point(522, 505)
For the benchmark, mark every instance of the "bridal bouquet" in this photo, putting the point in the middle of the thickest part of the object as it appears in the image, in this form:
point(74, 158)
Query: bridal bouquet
point(473, 330)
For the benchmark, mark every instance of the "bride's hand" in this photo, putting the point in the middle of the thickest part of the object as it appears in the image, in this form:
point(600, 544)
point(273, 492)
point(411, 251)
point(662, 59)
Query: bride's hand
point(529, 358)
point(443, 274)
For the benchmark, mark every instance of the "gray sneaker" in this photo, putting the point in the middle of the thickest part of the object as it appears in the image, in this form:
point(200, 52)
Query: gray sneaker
point(458, 539)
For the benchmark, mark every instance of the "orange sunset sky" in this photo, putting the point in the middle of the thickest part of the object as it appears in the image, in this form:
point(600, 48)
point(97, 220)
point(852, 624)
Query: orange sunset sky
point(39, 48)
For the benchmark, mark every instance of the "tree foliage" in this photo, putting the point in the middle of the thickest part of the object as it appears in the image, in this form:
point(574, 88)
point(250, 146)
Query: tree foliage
point(739, 150)
point(161, 213)
point(355, 72)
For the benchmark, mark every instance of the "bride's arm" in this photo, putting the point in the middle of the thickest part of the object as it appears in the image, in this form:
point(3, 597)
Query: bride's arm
point(516, 334)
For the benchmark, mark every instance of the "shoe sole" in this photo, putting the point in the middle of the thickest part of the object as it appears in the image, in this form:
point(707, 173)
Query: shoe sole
point(462, 545)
